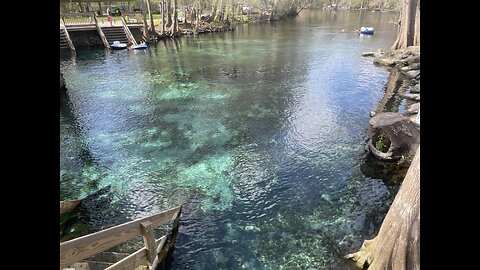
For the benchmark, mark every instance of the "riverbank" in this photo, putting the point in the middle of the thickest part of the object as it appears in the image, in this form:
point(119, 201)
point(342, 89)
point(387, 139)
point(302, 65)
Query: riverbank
point(407, 63)
point(397, 136)
point(395, 122)
point(208, 25)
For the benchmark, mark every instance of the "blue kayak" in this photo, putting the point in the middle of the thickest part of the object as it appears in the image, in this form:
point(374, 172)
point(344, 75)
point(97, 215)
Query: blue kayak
point(367, 30)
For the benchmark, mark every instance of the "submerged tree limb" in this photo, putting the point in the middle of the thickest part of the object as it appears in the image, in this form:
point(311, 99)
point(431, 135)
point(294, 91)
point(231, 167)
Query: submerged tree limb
point(397, 245)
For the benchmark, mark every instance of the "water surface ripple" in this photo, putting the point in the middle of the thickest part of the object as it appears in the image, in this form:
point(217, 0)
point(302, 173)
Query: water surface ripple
point(259, 133)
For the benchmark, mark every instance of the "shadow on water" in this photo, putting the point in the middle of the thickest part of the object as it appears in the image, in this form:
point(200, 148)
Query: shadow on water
point(93, 214)
point(396, 85)
point(391, 172)
point(81, 154)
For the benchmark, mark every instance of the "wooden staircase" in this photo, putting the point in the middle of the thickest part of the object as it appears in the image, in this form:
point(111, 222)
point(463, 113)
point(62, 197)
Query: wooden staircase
point(91, 252)
point(100, 261)
point(89, 20)
point(115, 33)
point(63, 40)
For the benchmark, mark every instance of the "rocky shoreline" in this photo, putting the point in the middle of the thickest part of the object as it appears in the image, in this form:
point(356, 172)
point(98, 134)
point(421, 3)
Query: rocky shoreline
point(396, 136)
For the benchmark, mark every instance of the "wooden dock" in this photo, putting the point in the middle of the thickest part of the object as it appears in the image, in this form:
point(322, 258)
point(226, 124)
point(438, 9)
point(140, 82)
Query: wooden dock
point(89, 251)
point(120, 30)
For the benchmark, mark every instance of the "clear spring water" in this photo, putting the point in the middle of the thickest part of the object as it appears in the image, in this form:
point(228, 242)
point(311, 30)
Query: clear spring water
point(259, 133)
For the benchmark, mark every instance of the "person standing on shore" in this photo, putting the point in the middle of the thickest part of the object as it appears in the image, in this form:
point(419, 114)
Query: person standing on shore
point(109, 15)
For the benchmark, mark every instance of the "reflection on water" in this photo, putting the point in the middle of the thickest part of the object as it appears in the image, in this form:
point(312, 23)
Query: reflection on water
point(258, 132)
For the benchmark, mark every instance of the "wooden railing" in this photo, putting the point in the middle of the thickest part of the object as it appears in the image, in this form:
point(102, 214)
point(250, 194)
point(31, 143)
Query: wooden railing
point(152, 254)
point(67, 35)
point(78, 19)
point(100, 33)
point(127, 32)
point(133, 17)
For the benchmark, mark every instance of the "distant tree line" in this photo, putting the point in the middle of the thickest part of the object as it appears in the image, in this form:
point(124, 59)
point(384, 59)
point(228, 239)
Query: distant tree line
point(220, 10)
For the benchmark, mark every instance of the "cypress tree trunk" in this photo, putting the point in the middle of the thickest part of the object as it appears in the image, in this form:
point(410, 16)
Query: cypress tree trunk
point(162, 5)
point(152, 24)
point(220, 10)
point(169, 14)
point(214, 9)
point(146, 33)
point(416, 36)
point(174, 28)
point(273, 13)
point(397, 245)
point(408, 28)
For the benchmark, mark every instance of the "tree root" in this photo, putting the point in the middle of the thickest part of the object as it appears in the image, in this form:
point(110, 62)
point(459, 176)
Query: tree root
point(365, 256)
point(397, 245)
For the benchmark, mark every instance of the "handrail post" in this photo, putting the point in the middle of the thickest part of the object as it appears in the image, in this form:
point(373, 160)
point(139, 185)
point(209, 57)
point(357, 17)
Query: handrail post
point(170, 237)
point(100, 32)
point(70, 43)
point(72, 251)
point(149, 240)
point(127, 31)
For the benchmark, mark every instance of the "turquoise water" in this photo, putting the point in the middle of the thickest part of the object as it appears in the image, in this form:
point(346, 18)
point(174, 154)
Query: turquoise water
point(259, 133)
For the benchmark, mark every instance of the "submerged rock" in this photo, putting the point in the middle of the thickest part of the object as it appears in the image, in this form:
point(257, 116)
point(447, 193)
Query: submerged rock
point(393, 136)
point(327, 197)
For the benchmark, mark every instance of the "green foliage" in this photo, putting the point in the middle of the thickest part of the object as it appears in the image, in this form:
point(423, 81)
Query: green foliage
point(380, 143)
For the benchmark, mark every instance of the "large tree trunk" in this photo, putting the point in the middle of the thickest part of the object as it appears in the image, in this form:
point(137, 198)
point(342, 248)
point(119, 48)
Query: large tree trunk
point(219, 11)
point(397, 245)
point(162, 5)
point(186, 13)
point(174, 28)
point(273, 13)
point(409, 25)
point(416, 36)
point(152, 24)
point(146, 33)
point(232, 25)
point(169, 14)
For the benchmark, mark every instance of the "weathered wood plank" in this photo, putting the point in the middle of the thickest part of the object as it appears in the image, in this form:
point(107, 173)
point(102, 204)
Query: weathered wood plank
point(160, 242)
point(110, 257)
point(127, 32)
point(154, 264)
point(134, 260)
point(166, 248)
point(79, 14)
point(138, 258)
point(83, 247)
point(100, 32)
point(68, 205)
point(67, 36)
point(171, 237)
point(149, 241)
